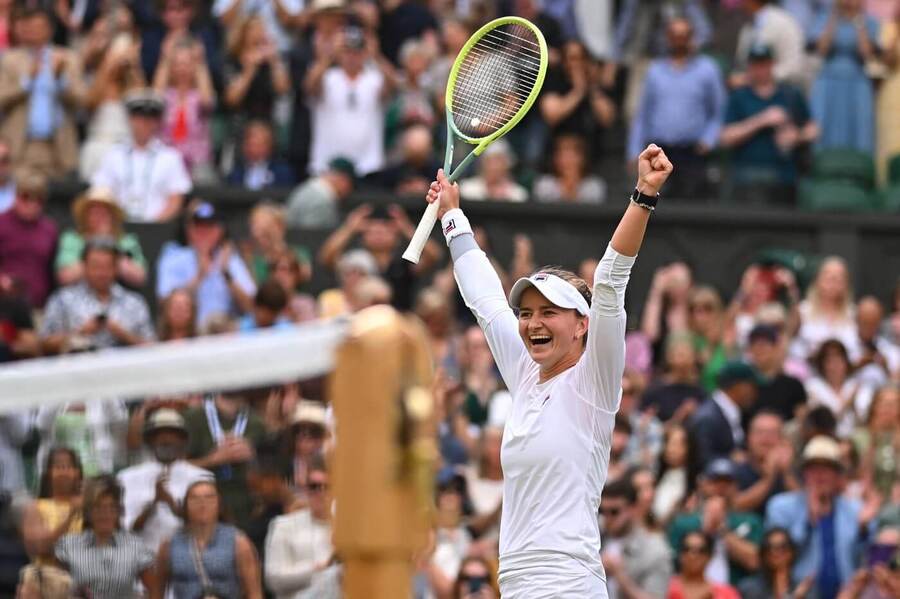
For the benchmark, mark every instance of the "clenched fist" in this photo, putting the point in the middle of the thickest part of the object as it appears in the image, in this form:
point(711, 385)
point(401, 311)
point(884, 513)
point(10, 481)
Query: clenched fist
point(653, 170)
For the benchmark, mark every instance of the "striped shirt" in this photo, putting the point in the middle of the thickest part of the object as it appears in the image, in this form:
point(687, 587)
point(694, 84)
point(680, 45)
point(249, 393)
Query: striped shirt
point(107, 571)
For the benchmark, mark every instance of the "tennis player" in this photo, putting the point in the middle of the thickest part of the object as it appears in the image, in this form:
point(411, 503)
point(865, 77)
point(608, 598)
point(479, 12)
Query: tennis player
point(560, 347)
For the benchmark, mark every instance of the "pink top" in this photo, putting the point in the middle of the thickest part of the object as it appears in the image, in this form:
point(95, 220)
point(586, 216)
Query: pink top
point(719, 591)
point(186, 127)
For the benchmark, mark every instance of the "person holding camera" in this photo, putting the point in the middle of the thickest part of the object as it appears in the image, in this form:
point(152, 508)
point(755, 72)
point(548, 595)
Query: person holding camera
point(97, 214)
point(347, 86)
point(96, 312)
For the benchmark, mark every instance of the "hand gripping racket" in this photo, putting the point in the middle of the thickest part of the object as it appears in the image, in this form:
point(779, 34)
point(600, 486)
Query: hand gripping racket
point(494, 81)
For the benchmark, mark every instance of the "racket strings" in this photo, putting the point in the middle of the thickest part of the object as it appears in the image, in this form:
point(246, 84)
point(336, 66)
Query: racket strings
point(495, 79)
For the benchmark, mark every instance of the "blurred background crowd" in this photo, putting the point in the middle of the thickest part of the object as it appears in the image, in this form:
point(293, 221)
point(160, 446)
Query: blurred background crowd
point(757, 446)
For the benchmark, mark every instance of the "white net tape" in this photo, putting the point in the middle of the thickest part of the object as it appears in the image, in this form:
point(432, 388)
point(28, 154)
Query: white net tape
point(208, 363)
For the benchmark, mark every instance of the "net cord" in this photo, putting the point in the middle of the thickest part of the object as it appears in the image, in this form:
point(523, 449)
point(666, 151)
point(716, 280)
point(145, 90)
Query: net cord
point(215, 363)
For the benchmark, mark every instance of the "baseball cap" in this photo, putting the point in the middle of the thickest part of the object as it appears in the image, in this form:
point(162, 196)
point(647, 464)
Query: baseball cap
point(720, 468)
point(309, 411)
point(737, 372)
point(763, 332)
point(822, 449)
point(164, 418)
point(146, 102)
point(204, 212)
point(759, 52)
point(343, 166)
point(560, 292)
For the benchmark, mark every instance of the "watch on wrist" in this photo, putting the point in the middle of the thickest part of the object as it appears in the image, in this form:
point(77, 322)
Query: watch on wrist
point(644, 201)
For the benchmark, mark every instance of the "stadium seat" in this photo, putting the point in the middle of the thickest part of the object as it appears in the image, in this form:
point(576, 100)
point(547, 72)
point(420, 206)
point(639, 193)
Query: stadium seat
point(834, 196)
point(851, 166)
point(889, 197)
point(894, 170)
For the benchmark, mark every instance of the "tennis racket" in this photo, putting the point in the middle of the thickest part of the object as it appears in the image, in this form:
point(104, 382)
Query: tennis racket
point(495, 79)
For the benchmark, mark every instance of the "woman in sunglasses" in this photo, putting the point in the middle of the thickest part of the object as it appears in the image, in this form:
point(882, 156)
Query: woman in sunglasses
point(774, 581)
point(690, 582)
point(477, 580)
point(560, 347)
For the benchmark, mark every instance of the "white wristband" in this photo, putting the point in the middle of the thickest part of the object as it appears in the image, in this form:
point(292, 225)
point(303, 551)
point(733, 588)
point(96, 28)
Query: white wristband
point(454, 223)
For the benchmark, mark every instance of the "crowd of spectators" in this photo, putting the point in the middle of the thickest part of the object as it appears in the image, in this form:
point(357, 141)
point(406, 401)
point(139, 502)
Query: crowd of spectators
point(756, 449)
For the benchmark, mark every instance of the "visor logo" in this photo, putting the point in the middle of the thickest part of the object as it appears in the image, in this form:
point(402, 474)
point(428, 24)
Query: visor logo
point(540, 277)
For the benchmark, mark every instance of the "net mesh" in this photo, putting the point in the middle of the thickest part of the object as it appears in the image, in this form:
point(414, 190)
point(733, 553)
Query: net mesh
point(495, 78)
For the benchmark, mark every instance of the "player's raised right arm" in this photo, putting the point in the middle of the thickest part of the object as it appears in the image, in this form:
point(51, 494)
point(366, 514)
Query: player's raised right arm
point(479, 283)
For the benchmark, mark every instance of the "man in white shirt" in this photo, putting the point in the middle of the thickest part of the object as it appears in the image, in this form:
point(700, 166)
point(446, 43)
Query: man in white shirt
point(147, 177)
point(153, 491)
point(300, 561)
point(348, 88)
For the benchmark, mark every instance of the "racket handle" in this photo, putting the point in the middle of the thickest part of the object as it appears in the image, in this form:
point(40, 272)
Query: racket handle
point(423, 232)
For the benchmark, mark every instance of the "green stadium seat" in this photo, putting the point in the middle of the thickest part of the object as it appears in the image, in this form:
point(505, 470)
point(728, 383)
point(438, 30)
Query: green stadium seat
point(834, 196)
point(894, 170)
point(844, 165)
point(889, 197)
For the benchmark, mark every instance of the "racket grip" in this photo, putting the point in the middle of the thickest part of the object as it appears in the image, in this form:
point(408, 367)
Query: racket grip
point(423, 232)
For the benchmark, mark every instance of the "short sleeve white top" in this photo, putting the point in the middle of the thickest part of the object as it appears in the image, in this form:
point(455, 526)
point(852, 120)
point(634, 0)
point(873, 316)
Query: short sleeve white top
point(348, 121)
point(143, 179)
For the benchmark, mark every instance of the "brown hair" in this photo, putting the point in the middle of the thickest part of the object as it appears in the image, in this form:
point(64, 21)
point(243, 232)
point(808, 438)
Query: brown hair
point(830, 346)
point(96, 489)
point(164, 329)
point(569, 277)
point(237, 37)
point(577, 282)
point(223, 515)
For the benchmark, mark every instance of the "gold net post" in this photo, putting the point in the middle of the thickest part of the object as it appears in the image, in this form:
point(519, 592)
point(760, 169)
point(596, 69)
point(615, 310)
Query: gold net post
point(382, 464)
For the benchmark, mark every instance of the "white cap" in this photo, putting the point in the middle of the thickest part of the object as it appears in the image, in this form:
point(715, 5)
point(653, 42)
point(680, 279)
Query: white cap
point(560, 292)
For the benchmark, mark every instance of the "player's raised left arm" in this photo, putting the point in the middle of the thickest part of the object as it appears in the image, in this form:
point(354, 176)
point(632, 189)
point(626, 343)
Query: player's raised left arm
point(653, 170)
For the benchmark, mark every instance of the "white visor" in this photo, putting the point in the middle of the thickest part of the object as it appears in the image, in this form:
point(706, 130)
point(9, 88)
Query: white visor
point(560, 292)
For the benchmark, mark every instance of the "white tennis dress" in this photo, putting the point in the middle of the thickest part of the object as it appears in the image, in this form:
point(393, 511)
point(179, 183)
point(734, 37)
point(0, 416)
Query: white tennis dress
point(555, 451)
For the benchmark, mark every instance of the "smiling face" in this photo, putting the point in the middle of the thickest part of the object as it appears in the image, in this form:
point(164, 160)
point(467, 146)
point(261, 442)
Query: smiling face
point(551, 334)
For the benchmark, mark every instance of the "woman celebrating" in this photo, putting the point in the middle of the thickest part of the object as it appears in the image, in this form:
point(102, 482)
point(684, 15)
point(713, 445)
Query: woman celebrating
point(56, 513)
point(562, 360)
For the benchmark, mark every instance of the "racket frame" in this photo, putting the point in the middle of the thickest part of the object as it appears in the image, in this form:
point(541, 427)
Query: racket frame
point(426, 224)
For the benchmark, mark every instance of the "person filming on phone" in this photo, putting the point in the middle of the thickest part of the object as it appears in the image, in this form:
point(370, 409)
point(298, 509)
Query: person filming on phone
point(96, 312)
point(208, 266)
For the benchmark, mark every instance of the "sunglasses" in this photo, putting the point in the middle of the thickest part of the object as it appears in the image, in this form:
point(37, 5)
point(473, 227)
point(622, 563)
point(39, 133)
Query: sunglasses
point(313, 432)
point(316, 487)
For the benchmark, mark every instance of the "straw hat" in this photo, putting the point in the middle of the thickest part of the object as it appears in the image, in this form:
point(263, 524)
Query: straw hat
point(96, 195)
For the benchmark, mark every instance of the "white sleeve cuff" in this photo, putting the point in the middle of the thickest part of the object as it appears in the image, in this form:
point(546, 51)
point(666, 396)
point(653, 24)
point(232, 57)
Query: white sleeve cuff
point(454, 223)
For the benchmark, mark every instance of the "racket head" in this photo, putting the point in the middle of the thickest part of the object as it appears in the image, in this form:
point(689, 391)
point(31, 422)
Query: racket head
point(495, 80)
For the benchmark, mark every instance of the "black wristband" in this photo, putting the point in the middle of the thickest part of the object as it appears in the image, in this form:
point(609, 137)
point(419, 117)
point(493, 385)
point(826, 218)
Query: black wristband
point(644, 201)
